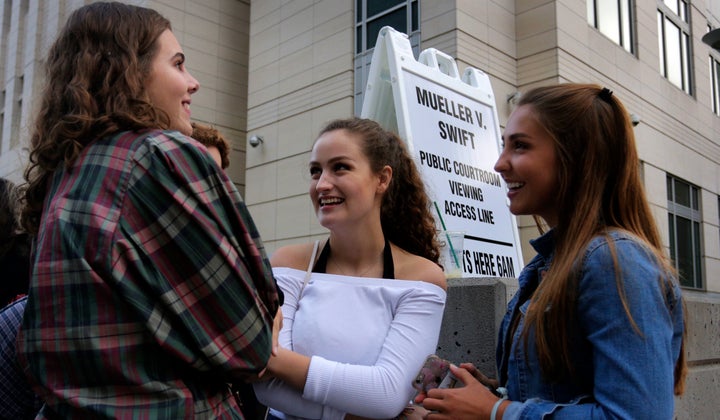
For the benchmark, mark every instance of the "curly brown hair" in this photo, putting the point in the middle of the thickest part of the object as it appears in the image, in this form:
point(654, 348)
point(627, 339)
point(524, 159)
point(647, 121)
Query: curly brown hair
point(210, 137)
point(405, 213)
point(94, 86)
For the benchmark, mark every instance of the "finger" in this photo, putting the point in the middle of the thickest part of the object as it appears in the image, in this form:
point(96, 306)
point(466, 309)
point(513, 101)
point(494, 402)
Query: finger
point(433, 401)
point(462, 374)
point(470, 367)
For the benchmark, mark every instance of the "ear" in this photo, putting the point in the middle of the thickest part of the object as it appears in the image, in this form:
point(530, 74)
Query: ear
point(384, 179)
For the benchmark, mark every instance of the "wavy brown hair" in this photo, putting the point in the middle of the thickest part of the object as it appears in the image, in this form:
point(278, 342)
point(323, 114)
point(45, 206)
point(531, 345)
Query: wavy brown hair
point(210, 136)
point(405, 213)
point(94, 86)
point(599, 189)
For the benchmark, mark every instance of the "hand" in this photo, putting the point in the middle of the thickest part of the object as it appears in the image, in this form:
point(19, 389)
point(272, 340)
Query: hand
point(471, 401)
point(264, 375)
point(489, 382)
point(277, 326)
point(411, 412)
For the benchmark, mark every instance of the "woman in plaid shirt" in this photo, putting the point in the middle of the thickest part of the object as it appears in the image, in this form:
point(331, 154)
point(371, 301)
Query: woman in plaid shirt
point(150, 287)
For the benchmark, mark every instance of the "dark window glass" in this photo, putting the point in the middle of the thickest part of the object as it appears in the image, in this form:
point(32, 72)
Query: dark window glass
point(396, 19)
point(377, 6)
point(414, 16)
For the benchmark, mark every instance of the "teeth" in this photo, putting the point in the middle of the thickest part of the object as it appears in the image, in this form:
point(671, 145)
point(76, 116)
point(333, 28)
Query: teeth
point(326, 201)
point(512, 185)
point(186, 105)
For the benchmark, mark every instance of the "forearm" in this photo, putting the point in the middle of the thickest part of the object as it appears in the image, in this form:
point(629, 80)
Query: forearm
point(292, 368)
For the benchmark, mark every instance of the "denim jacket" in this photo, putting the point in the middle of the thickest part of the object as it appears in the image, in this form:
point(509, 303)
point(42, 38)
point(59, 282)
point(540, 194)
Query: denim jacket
point(623, 374)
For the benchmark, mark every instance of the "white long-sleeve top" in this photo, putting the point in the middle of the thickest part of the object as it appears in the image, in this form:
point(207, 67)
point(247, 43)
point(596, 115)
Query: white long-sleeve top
point(367, 338)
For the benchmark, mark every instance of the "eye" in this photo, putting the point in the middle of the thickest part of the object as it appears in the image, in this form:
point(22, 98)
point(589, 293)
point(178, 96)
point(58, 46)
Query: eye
point(315, 172)
point(519, 145)
point(180, 64)
point(340, 167)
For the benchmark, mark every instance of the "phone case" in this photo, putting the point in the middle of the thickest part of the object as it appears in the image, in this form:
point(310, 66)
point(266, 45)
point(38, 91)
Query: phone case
point(434, 373)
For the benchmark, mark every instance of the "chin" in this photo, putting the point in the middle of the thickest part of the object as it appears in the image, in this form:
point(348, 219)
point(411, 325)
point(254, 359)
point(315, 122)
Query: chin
point(185, 129)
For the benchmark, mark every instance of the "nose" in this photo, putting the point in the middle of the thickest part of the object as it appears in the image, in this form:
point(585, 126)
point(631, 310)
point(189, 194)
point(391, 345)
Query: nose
point(323, 183)
point(502, 164)
point(193, 84)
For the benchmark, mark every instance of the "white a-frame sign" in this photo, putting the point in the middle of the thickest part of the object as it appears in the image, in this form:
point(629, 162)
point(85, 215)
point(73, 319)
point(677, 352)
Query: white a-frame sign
point(451, 127)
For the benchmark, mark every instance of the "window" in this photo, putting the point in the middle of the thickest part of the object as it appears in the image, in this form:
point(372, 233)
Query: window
point(614, 19)
point(714, 81)
point(684, 223)
point(370, 17)
point(715, 84)
point(674, 43)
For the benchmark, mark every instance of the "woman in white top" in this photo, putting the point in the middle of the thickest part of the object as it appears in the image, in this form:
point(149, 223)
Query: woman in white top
point(356, 334)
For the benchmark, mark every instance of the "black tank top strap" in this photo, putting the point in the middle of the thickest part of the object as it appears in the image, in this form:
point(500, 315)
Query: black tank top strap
point(321, 263)
point(388, 265)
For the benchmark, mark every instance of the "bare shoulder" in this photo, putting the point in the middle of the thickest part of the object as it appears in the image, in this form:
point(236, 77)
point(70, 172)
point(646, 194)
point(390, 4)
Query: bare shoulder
point(414, 267)
point(293, 256)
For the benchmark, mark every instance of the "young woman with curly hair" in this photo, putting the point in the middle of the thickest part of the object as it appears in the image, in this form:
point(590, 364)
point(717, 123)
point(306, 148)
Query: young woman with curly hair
point(357, 333)
point(150, 289)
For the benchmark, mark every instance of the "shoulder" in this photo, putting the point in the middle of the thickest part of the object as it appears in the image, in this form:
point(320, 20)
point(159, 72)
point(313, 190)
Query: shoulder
point(293, 256)
point(168, 150)
point(621, 255)
point(414, 267)
point(623, 244)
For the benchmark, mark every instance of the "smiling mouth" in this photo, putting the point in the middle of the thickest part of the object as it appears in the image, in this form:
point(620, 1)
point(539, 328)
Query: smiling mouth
point(514, 185)
point(330, 201)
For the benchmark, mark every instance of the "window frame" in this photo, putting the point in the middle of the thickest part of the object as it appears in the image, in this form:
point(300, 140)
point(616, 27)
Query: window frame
point(626, 36)
point(363, 54)
point(691, 214)
point(679, 17)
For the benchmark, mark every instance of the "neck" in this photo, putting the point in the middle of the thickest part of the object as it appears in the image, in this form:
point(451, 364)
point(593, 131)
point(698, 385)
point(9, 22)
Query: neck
point(358, 258)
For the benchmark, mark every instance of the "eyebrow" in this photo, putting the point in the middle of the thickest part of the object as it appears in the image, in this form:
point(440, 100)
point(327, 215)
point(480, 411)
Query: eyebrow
point(515, 136)
point(333, 160)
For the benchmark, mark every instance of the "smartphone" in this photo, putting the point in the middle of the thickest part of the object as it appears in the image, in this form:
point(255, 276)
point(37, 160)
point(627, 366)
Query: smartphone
point(435, 373)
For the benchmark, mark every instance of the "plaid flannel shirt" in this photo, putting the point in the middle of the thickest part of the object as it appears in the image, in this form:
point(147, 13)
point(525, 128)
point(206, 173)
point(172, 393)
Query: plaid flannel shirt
point(17, 401)
point(150, 286)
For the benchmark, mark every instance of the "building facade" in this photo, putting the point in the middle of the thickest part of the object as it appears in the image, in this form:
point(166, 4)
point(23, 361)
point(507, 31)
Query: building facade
point(308, 60)
point(279, 69)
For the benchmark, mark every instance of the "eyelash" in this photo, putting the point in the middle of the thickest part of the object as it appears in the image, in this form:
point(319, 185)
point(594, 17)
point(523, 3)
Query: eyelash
point(316, 171)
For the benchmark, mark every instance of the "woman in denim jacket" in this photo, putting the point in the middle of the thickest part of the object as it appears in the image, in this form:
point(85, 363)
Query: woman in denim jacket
point(596, 329)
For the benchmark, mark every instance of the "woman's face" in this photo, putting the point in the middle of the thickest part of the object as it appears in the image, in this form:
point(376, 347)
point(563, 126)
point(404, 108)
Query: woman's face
point(169, 85)
point(344, 188)
point(527, 163)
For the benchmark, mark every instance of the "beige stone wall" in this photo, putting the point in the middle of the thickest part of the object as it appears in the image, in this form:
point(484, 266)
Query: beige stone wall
point(214, 35)
point(301, 76)
point(215, 38)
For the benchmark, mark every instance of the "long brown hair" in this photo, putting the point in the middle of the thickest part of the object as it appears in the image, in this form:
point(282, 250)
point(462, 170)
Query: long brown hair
point(94, 86)
point(599, 188)
point(405, 211)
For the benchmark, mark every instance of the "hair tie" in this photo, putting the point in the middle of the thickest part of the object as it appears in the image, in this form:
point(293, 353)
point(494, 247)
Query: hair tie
point(605, 94)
